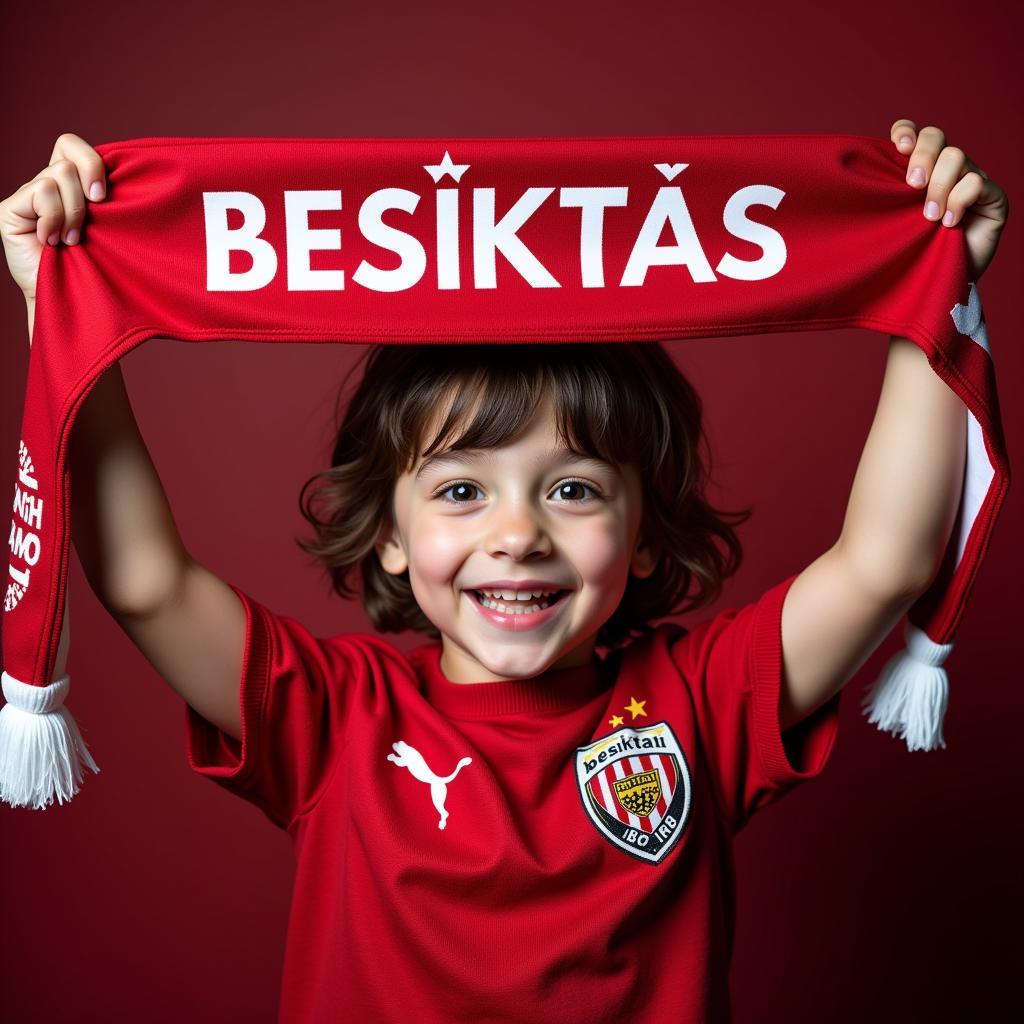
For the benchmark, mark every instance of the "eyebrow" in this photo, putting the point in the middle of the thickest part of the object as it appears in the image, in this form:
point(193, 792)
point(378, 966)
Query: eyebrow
point(467, 456)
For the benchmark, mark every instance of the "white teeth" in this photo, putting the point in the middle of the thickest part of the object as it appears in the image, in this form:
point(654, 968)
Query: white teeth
point(511, 609)
point(518, 606)
point(514, 595)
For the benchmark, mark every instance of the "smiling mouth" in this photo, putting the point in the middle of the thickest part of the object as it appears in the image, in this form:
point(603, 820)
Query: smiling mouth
point(518, 607)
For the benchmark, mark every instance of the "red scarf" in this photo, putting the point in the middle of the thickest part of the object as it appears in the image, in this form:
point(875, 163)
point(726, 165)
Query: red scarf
point(390, 240)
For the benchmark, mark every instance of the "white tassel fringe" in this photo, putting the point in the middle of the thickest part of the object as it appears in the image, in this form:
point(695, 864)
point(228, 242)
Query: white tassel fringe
point(41, 750)
point(909, 697)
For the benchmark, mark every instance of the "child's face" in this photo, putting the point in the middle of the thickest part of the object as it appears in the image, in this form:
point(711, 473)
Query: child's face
point(514, 515)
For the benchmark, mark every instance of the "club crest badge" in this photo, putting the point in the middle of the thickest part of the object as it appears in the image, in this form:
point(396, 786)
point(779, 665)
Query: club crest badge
point(636, 789)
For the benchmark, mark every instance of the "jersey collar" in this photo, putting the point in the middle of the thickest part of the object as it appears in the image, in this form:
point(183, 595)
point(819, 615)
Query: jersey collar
point(559, 690)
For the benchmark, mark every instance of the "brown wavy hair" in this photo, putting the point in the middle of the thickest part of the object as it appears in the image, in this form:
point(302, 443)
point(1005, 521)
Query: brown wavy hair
point(623, 402)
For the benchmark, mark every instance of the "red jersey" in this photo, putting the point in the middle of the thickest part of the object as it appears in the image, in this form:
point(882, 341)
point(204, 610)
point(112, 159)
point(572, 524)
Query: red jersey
point(528, 850)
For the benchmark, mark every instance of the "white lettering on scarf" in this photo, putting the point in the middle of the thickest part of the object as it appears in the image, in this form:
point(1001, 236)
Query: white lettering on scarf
point(490, 235)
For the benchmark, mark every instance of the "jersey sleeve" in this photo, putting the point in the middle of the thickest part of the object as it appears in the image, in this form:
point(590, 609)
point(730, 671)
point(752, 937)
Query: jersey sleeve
point(295, 691)
point(733, 665)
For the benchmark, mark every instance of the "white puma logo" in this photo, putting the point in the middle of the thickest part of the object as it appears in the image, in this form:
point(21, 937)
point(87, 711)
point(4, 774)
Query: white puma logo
point(409, 757)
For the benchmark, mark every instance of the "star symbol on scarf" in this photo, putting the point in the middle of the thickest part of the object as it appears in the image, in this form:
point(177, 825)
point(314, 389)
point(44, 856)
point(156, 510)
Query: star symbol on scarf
point(616, 720)
point(438, 171)
point(636, 707)
point(671, 170)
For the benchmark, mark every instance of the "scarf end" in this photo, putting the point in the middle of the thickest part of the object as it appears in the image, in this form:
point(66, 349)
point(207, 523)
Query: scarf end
point(910, 696)
point(42, 752)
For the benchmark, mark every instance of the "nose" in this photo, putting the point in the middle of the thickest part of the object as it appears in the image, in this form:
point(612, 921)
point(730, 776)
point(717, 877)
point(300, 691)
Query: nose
point(515, 530)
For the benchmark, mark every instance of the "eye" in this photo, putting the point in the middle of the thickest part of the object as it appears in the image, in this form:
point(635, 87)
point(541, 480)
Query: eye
point(577, 483)
point(461, 485)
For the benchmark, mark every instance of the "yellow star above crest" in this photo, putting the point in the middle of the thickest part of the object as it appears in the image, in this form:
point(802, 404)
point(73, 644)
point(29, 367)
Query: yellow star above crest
point(616, 720)
point(636, 707)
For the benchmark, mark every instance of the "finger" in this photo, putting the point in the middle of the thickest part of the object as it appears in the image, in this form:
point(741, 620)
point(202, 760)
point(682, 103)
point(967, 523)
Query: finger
point(904, 134)
point(38, 202)
point(65, 174)
point(930, 142)
point(949, 168)
point(91, 170)
point(965, 193)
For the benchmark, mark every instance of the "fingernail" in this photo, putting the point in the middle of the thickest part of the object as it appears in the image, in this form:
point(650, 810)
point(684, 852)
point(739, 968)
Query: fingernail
point(931, 209)
point(916, 176)
point(96, 190)
point(71, 237)
point(947, 218)
point(906, 140)
point(52, 240)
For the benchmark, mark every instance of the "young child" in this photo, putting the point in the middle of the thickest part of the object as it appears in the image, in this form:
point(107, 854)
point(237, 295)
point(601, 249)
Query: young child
point(502, 824)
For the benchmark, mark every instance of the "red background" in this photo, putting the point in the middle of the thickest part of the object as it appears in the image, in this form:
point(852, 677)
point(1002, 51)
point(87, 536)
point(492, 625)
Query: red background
point(888, 888)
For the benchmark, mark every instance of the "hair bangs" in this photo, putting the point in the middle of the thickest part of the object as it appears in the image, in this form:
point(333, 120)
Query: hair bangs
point(489, 400)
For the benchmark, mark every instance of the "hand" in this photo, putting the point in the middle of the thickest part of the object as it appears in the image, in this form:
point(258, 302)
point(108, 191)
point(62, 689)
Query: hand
point(50, 208)
point(960, 190)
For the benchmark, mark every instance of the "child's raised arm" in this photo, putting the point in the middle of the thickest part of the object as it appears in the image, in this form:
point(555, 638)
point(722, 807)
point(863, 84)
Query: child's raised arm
point(907, 488)
point(189, 624)
point(898, 520)
point(185, 620)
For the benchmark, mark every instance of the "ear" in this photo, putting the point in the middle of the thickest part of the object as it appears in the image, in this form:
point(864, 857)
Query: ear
point(644, 560)
point(391, 551)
